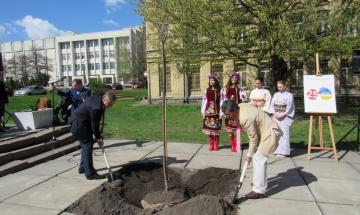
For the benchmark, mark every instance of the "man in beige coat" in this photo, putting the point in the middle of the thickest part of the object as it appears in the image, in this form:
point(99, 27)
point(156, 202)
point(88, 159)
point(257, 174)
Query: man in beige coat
point(263, 135)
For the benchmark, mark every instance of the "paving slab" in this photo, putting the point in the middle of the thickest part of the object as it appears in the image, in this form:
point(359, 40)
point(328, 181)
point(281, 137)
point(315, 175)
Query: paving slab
point(182, 147)
point(281, 165)
point(15, 183)
point(121, 155)
point(351, 157)
point(317, 155)
point(224, 150)
point(281, 186)
point(356, 166)
point(50, 168)
point(178, 160)
point(335, 209)
point(202, 161)
point(329, 169)
point(337, 191)
point(17, 209)
point(115, 145)
point(54, 193)
point(271, 206)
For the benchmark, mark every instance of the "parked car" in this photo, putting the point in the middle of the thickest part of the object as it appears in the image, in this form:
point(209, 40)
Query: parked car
point(139, 84)
point(117, 86)
point(31, 90)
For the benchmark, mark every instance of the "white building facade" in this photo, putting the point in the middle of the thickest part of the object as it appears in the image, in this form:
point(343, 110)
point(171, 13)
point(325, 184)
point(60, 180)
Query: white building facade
point(111, 56)
point(45, 47)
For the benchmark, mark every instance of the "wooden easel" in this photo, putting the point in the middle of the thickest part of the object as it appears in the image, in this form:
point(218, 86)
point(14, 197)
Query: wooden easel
point(312, 130)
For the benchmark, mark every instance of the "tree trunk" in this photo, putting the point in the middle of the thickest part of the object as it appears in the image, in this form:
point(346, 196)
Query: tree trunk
point(278, 70)
point(165, 155)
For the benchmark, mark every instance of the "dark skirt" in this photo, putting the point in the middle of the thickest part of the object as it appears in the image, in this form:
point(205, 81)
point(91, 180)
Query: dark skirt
point(231, 125)
point(212, 124)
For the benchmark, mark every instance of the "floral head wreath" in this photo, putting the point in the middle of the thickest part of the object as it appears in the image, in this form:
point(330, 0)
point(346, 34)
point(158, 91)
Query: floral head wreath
point(213, 76)
point(234, 74)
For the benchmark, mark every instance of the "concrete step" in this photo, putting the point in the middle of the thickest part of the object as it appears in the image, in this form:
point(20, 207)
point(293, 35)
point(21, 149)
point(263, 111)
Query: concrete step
point(13, 166)
point(18, 165)
point(33, 150)
point(28, 140)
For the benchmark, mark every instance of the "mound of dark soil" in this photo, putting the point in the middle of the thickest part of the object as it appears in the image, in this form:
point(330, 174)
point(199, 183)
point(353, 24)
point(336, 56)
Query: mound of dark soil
point(205, 191)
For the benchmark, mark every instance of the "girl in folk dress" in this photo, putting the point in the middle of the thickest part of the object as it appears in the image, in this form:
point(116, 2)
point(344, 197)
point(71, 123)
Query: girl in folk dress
point(210, 109)
point(283, 110)
point(232, 91)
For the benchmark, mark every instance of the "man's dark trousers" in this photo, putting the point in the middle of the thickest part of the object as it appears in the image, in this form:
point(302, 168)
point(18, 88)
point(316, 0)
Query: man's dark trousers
point(86, 163)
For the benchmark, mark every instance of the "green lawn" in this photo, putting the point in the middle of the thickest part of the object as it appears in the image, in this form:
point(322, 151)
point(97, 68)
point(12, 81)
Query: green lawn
point(129, 119)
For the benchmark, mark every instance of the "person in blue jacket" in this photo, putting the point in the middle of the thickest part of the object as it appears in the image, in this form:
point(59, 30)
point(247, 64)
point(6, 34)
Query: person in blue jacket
point(78, 93)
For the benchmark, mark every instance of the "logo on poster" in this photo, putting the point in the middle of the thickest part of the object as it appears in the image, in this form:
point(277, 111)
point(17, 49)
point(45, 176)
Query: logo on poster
point(312, 94)
point(325, 93)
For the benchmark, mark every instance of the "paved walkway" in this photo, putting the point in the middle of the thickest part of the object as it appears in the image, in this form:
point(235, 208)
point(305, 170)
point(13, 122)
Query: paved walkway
point(296, 186)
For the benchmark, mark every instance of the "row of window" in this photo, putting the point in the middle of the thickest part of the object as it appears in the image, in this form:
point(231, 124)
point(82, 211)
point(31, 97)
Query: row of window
point(347, 78)
point(91, 66)
point(91, 55)
point(90, 43)
point(106, 80)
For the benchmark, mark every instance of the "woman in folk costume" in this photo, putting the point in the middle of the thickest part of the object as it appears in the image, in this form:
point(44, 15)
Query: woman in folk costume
point(232, 91)
point(283, 109)
point(210, 109)
point(260, 96)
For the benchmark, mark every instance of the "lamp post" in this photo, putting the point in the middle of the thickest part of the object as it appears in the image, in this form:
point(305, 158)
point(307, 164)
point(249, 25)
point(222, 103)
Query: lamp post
point(163, 31)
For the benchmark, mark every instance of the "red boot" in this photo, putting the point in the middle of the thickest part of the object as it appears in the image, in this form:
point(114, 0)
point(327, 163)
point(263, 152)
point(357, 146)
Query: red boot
point(216, 143)
point(211, 143)
point(233, 143)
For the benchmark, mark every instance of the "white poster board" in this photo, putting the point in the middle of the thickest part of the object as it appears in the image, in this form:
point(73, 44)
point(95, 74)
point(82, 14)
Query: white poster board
point(319, 94)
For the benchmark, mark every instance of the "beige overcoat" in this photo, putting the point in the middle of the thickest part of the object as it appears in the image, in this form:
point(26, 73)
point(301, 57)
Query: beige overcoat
point(262, 131)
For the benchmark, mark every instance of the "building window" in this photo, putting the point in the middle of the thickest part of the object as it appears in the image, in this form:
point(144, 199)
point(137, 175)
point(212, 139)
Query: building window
point(63, 56)
point(90, 43)
point(107, 80)
point(324, 67)
point(106, 53)
point(194, 80)
point(265, 75)
point(63, 68)
point(64, 45)
point(91, 66)
point(111, 53)
point(112, 65)
point(77, 55)
point(79, 44)
point(82, 67)
point(97, 54)
point(82, 55)
point(68, 56)
point(69, 68)
point(106, 66)
point(77, 67)
point(96, 43)
point(168, 79)
point(91, 55)
point(347, 78)
point(217, 69)
point(241, 68)
point(107, 42)
point(97, 66)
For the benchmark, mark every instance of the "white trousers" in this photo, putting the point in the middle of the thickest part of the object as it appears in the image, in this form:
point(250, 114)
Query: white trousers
point(259, 175)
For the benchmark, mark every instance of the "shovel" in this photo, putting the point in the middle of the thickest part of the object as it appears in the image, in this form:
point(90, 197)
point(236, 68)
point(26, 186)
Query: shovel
point(111, 178)
point(241, 181)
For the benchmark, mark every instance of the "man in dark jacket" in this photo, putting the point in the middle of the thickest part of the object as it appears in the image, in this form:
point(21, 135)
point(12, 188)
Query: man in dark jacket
point(85, 125)
point(3, 100)
point(77, 93)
